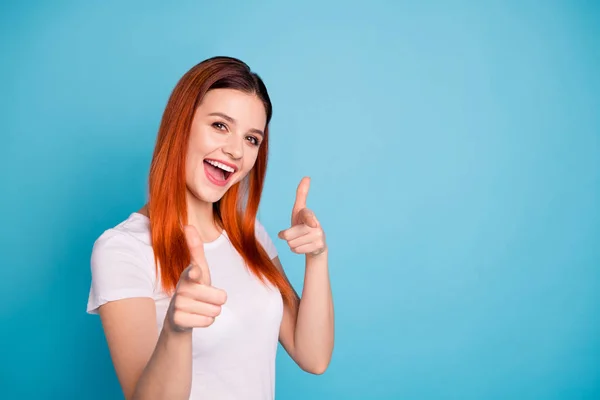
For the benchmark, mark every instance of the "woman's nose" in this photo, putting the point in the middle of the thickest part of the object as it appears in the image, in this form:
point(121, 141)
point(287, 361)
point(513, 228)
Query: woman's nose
point(234, 147)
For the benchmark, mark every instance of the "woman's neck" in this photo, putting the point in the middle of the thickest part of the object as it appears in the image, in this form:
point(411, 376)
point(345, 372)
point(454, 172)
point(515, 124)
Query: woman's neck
point(201, 216)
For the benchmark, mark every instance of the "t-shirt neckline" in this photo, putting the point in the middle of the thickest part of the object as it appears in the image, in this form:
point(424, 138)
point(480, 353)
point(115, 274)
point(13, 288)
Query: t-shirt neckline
point(222, 237)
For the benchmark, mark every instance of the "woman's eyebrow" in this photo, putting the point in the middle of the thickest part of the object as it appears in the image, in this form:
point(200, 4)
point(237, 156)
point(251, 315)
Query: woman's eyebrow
point(225, 116)
point(233, 121)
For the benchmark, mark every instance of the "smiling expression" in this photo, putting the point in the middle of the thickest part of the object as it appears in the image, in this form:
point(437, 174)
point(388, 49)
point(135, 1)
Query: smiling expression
point(225, 136)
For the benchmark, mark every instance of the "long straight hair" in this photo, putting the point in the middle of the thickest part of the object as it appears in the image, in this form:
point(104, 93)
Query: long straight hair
point(236, 211)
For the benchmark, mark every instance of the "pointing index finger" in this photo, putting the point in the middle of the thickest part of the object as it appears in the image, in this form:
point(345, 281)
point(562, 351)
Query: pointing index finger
point(200, 271)
point(301, 194)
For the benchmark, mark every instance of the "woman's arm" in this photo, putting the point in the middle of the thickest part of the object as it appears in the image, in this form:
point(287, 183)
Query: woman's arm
point(307, 328)
point(148, 366)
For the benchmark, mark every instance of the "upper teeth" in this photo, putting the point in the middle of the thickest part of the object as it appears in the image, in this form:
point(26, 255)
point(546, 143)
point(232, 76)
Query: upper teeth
point(219, 165)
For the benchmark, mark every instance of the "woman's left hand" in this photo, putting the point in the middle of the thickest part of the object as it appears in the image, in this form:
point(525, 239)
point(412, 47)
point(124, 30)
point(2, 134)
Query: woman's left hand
point(305, 235)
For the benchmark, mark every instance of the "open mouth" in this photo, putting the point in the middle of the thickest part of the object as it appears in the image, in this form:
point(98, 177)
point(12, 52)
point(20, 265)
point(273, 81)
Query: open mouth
point(217, 172)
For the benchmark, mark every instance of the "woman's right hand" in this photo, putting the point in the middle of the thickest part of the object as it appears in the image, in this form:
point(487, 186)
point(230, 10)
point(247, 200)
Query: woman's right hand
point(195, 303)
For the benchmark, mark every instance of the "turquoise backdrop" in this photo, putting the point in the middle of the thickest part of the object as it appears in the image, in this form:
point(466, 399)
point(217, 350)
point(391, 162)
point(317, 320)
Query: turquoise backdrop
point(454, 150)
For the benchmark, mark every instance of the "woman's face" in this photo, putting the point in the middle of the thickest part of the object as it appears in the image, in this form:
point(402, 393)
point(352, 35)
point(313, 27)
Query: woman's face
point(226, 133)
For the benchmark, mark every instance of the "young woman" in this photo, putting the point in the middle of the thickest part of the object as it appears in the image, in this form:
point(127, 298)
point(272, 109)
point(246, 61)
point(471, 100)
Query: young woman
point(190, 291)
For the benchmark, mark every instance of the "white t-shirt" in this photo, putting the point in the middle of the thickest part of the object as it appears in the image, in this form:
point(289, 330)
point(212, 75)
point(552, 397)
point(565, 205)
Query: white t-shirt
point(234, 358)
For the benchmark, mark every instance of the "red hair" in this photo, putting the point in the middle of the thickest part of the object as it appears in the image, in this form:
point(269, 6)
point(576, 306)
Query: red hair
point(236, 211)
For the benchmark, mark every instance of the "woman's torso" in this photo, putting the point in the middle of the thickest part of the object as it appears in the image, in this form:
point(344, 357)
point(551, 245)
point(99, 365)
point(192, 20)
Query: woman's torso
point(234, 358)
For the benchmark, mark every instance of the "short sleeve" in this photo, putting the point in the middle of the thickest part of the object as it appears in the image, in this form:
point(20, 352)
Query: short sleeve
point(265, 240)
point(118, 271)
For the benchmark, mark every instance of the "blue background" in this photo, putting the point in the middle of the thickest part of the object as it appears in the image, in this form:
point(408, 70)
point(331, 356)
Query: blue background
point(454, 150)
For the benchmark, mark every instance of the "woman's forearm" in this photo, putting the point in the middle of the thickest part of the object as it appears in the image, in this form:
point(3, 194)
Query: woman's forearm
point(314, 335)
point(168, 374)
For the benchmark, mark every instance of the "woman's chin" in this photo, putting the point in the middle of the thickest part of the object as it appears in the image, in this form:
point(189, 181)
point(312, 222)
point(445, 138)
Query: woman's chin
point(208, 192)
point(211, 196)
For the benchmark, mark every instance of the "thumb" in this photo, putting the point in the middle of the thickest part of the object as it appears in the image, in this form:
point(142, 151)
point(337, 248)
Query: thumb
point(199, 271)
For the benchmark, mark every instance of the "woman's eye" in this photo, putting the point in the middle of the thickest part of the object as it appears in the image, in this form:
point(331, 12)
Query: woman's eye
point(253, 140)
point(220, 126)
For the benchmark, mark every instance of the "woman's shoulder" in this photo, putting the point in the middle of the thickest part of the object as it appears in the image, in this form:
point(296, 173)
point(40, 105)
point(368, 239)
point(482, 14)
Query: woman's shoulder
point(135, 228)
point(121, 263)
point(129, 235)
point(264, 238)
